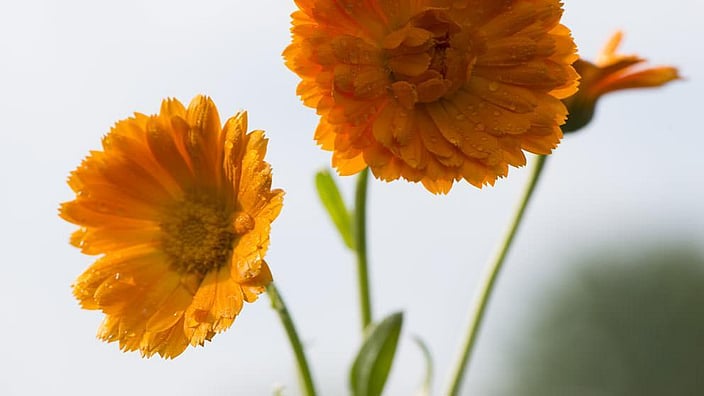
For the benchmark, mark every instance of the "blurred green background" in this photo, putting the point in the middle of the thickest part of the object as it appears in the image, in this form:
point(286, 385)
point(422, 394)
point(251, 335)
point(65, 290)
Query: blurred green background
point(629, 321)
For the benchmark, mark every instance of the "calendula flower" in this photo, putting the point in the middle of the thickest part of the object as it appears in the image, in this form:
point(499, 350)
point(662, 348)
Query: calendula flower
point(611, 72)
point(179, 208)
point(433, 91)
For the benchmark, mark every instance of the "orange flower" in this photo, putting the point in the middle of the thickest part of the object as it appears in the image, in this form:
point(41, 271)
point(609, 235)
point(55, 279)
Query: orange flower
point(433, 90)
point(611, 72)
point(180, 209)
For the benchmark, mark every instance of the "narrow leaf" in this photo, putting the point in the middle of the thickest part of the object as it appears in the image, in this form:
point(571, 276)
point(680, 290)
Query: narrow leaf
point(373, 362)
point(332, 201)
point(428, 380)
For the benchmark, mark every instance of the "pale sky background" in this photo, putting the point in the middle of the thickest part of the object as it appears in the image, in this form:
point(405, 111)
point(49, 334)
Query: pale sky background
point(70, 69)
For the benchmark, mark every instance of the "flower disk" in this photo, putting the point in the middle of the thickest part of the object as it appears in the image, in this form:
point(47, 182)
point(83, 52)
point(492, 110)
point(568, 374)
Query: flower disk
point(433, 91)
point(180, 209)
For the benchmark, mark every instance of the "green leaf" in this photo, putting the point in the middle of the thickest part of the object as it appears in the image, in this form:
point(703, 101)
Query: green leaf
point(428, 380)
point(332, 201)
point(373, 362)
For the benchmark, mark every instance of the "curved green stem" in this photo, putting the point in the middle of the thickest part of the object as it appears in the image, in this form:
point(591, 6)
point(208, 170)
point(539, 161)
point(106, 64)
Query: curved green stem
point(278, 304)
point(360, 247)
point(487, 285)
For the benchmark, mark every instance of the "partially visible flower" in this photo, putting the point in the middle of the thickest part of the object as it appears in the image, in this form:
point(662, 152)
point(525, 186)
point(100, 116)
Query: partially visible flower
point(433, 91)
point(611, 72)
point(179, 208)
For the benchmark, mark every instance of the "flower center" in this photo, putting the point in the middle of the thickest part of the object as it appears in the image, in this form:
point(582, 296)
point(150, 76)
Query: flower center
point(428, 58)
point(197, 234)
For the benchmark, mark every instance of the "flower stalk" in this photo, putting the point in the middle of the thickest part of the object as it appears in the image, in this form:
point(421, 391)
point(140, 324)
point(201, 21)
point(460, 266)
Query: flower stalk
point(360, 247)
point(279, 306)
point(489, 281)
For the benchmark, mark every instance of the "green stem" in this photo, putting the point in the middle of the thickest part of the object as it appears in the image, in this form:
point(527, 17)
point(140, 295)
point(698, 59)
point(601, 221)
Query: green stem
point(360, 238)
point(278, 304)
point(487, 285)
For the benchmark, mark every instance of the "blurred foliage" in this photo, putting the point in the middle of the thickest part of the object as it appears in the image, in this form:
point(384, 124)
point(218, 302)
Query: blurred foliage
point(330, 196)
point(427, 384)
point(625, 323)
point(373, 363)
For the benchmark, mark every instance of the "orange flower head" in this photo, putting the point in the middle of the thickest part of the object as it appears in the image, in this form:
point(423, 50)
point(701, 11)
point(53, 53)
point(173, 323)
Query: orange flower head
point(433, 91)
point(611, 72)
point(180, 210)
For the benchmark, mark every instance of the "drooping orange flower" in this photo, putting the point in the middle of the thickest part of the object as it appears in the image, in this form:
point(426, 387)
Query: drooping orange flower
point(611, 72)
point(433, 91)
point(180, 209)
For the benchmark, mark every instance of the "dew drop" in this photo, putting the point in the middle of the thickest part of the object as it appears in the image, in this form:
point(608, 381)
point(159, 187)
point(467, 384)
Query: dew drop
point(479, 127)
point(493, 86)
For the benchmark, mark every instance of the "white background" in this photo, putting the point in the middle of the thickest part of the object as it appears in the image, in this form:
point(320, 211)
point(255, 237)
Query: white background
point(70, 69)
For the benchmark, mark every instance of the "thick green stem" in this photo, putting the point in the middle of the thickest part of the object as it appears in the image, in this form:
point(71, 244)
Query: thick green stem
point(487, 285)
point(360, 238)
point(304, 371)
